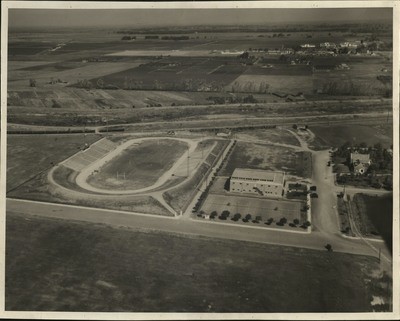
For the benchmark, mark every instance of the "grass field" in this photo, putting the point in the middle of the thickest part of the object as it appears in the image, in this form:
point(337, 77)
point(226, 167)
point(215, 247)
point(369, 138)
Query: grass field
point(337, 135)
point(142, 165)
point(269, 157)
point(276, 135)
point(266, 208)
point(70, 266)
point(28, 155)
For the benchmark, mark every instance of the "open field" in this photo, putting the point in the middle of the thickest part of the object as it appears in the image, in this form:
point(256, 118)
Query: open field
point(276, 135)
point(337, 135)
point(28, 155)
point(138, 166)
point(255, 206)
point(269, 157)
point(61, 266)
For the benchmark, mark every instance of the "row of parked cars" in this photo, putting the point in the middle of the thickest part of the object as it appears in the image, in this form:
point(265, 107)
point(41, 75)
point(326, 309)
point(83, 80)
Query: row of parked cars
point(313, 192)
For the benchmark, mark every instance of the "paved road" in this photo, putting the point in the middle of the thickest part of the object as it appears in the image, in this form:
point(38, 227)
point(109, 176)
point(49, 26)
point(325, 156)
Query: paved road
point(316, 240)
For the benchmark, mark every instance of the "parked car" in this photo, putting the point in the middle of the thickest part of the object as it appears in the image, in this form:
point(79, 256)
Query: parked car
point(314, 195)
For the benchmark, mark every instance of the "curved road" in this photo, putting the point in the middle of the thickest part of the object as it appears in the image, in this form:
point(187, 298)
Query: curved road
point(81, 179)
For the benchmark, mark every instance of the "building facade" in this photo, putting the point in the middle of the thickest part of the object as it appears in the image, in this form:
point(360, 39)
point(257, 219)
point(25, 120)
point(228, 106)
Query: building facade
point(360, 162)
point(259, 182)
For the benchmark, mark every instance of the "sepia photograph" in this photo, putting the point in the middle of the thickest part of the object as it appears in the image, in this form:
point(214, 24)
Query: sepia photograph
point(206, 160)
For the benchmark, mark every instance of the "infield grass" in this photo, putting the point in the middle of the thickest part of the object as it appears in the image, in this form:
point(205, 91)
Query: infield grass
point(140, 165)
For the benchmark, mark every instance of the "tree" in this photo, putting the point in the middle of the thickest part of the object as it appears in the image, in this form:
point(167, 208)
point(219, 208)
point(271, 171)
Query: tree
point(32, 82)
point(294, 126)
point(329, 247)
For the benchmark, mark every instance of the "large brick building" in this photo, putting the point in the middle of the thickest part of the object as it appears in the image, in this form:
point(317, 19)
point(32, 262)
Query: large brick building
point(260, 182)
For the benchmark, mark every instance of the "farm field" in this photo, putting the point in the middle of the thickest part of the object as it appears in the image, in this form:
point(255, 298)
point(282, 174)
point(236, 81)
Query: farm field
point(177, 73)
point(60, 266)
point(139, 166)
point(269, 157)
point(276, 83)
point(248, 204)
point(337, 135)
point(24, 161)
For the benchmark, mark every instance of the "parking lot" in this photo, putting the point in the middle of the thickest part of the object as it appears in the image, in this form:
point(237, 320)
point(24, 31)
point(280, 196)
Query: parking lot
point(255, 206)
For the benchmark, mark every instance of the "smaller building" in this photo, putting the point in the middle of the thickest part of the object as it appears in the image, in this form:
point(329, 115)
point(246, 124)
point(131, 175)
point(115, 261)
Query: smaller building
point(260, 182)
point(360, 162)
point(297, 188)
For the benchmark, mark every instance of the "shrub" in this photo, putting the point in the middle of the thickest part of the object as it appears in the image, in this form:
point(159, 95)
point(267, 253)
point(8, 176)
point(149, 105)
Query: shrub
point(296, 221)
point(225, 213)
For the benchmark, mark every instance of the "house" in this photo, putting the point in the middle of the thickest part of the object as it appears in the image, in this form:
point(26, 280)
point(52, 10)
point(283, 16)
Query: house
point(259, 182)
point(360, 162)
point(307, 45)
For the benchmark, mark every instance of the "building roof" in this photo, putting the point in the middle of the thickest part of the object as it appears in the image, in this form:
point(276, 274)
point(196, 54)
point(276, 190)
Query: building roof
point(362, 158)
point(360, 166)
point(297, 186)
point(258, 175)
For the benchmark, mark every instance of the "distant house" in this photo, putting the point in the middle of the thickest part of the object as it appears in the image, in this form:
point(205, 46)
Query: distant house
point(360, 162)
point(307, 45)
point(328, 45)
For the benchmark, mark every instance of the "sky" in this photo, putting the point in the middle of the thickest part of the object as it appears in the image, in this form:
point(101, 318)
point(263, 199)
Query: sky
point(22, 18)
